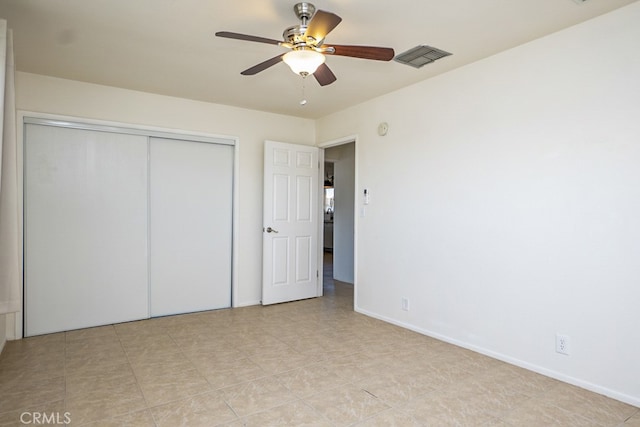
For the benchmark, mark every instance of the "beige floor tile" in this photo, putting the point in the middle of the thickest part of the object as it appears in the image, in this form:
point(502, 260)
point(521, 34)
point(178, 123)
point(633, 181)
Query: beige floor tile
point(30, 369)
point(204, 410)
point(350, 371)
point(424, 344)
point(257, 396)
point(42, 344)
point(216, 358)
point(112, 378)
point(487, 396)
point(390, 418)
point(346, 405)
point(232, 373)
point(446, 408)
point(285, 362)
point(164, 387)
point(94, 348)
point(292, 332)
point(33, 352)
point(343, 355)
point(160, 363)
point(519, 380)
point(273, 350)
point(101, 332)
point(32, 394)
point(537, 412)
point(94, 363)
point(140, 328)
point(33, 348)
point(309, 380)
point(497, 422)
point(203, 342)
point(633, 421)
point(142, 346)
point(600, 409)
point(25, 415)
point(441, 376)
point(311, 362)
point(369, 364)
point(259, 343)
point(459, 359)
point(292, 414)
point(108, 401)
point(134, 419)
point(396, 389)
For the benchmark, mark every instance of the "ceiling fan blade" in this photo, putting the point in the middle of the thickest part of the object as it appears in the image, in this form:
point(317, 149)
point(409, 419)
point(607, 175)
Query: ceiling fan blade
point(322, 24)
point(262, 66)
point(364, 52)
point(246, 37)
point(324, 75)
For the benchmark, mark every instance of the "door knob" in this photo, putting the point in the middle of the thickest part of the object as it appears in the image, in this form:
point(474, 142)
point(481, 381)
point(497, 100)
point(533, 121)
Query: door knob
point(271, 230)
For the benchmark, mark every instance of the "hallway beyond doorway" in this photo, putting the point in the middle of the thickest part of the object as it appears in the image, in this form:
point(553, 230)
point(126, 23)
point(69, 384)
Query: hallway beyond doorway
point(330, 286)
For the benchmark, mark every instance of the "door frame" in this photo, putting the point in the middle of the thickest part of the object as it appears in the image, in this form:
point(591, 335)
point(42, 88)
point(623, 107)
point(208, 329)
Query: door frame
point(15, 323)
point(356, 212)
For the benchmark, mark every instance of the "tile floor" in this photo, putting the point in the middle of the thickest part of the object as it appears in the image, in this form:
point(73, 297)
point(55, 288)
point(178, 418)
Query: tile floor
point(312, 362)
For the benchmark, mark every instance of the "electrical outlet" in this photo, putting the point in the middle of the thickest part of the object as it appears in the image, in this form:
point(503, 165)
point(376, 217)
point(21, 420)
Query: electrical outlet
point(405, 304)
point(563, 344)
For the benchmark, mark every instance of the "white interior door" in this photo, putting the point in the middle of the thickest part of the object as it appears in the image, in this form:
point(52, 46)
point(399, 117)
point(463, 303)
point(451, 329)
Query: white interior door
point(85, 228)
point(290, 234)
point(191, 201)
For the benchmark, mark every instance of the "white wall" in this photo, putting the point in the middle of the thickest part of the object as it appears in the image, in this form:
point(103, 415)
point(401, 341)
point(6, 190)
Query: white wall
point(72, 98)
point(3, 54)
point(505, 204)
point(343, 226)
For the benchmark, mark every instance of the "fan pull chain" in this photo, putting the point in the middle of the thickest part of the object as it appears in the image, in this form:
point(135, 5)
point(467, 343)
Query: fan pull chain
point(303, 102)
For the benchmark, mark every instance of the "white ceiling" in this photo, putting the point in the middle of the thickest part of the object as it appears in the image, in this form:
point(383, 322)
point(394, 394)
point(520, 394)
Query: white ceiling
point(168, 46)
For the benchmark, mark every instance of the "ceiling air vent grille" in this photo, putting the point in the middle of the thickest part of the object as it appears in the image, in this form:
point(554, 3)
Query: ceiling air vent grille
point(420, 56)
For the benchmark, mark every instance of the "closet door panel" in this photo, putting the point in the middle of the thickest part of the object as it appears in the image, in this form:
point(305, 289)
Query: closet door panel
point(191, 190)
point(85, 228)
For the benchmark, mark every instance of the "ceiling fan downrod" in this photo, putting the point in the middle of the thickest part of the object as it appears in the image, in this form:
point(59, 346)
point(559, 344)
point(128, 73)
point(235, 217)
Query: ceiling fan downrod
point(304, 12)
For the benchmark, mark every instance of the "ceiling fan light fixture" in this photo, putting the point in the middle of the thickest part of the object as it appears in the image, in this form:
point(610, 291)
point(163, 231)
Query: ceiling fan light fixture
point(303, 61)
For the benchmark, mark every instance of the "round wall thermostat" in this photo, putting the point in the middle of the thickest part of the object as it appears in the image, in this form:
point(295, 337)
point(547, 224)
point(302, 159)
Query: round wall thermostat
point(383, 128)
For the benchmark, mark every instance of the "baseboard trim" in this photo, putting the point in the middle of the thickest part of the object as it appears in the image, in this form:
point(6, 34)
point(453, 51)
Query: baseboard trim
point(622, 397)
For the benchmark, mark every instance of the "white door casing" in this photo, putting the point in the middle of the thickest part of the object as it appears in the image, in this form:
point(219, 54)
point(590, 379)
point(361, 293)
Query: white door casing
point(290, 221)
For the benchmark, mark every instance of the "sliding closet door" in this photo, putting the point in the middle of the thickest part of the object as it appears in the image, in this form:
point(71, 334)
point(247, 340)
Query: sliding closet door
point(190, 225)
point(85, 228)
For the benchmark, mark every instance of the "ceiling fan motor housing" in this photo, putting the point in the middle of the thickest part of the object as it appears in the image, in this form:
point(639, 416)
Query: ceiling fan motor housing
point(295, 35)
point(304, 11)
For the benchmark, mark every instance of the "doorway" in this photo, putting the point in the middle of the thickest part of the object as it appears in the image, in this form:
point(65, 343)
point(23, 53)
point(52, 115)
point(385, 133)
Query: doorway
point(339, 216)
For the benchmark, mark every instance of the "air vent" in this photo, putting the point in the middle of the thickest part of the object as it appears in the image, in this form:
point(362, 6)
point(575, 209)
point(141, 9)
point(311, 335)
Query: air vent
point(420, 56)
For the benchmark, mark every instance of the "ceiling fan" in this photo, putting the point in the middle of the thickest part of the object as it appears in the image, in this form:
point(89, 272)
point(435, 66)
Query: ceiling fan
point(307, 48)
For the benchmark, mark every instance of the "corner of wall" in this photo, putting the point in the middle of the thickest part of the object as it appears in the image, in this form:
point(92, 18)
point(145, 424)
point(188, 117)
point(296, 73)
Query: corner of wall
point(3, 331)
